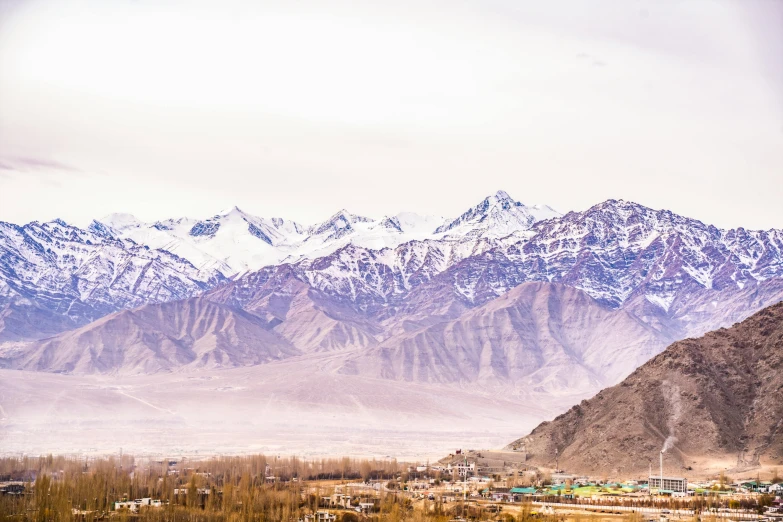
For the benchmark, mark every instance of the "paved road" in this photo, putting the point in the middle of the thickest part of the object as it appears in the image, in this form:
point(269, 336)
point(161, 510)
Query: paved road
point(734, 514)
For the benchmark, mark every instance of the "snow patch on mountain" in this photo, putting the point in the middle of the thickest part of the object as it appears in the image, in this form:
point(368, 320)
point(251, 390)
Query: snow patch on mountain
point(662, 300)
point(121, 221)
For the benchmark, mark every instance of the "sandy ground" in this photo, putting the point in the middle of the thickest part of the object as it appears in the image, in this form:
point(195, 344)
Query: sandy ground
point(284, 408)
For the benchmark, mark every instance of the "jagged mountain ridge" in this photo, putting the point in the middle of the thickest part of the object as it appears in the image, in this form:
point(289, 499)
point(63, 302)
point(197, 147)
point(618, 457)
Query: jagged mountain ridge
point(228, 242)
point(55, 277)
point(716, 399)
point(541, 336)
point(192, 333)
point(675, 275)
point(301, 314)
point(497, 216)
point(234, 241)
point(171, 259)
point(615, 251)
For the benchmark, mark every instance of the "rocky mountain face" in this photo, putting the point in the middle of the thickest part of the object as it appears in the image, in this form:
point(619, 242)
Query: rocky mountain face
point(55, 277)
point(712, 399)
point(675, 274)
point(299, 313)
point(228, 242)
point(504, 293)
point(234, 241)
point(497, 216)
point(193, 333)
point(540, 336)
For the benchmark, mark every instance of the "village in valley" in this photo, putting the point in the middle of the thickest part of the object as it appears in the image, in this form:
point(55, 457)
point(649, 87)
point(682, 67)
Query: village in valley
point(502, 477)
point(466, 485)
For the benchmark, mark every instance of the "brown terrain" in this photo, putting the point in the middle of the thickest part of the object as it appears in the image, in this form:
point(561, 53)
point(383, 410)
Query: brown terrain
point(538, 337)
point(718, 400)
point(192, 333)
point(544, 336)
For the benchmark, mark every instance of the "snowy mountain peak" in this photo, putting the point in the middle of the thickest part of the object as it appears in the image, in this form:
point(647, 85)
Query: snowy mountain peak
point(353, 218)
point(628, 211)
point(496, 216)
point(233, 212)
point(419, 225)
point(233, 241)
point(205, 228)
point(120, 221)
point(502, 195)
point(620, 253)
point(392, 224)
point(100, 229)
point(290, 228)
point(542, 212)
point(339, 223)
point(621, 205)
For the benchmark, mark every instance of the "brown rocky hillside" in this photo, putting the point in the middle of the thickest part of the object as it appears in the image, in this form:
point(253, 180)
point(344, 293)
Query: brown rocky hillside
point(194, 333)
point(718, 399)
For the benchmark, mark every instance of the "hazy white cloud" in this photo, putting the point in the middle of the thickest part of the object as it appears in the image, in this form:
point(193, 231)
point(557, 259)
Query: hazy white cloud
point(295, 109)
point(17, 164)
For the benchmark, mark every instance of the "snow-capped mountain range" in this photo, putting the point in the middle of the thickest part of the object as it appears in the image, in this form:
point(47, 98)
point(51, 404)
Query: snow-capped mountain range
point(400, 297)
point(55, 276)
point(234, 241)
point(503, 315)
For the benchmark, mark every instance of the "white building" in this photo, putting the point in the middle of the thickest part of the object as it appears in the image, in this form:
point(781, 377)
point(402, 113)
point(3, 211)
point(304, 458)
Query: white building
point(366, 507)
point(341, 500)
point(134, 505)
point(184, 491)
point(463, 469)
point(669, 484)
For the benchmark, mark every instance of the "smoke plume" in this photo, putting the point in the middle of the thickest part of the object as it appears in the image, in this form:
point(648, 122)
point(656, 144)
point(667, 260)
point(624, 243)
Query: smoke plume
point(671, 394)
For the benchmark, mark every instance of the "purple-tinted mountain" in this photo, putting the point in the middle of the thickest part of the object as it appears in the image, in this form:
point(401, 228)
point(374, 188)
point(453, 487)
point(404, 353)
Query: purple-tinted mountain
point(55, 277)
point(662, 276)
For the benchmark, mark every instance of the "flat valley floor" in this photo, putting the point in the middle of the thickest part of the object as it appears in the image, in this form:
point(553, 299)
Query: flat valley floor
point(289, 407)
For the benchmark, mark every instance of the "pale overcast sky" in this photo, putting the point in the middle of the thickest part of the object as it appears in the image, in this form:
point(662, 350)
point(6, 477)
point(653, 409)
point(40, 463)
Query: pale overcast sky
point(166, 108)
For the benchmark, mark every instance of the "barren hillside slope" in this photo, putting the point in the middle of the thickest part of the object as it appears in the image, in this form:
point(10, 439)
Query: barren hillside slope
point(715, 398)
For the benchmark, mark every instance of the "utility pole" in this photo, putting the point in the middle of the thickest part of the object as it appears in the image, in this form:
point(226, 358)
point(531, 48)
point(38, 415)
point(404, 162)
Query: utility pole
point(649, 480)
point(465, 483)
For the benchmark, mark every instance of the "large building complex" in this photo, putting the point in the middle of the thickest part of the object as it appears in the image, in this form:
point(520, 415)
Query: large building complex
point(669, 484)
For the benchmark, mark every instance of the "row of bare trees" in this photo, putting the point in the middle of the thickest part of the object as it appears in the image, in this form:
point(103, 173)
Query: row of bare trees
point(257, 487)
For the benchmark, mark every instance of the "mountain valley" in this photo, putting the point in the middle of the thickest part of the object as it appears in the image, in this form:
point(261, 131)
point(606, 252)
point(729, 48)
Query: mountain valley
point(516, 302)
